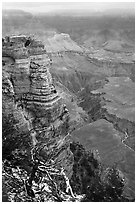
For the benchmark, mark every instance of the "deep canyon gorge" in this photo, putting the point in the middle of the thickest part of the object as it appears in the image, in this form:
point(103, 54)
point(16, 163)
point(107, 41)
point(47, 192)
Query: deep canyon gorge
point(68, 109)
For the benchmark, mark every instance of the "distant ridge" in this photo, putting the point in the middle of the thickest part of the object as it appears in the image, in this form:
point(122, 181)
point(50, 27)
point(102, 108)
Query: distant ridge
point(15, 12)
point(73, 12)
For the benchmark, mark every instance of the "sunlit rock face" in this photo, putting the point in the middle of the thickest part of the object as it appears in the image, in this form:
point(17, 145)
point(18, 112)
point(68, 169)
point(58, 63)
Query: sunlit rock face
point(33, 100)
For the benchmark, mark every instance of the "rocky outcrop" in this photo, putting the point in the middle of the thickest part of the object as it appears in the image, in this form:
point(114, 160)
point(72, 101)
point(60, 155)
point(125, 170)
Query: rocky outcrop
point(61, 43)
point(31, 100)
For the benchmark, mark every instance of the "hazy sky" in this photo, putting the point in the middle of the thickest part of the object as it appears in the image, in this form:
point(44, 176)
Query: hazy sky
point(61, 6)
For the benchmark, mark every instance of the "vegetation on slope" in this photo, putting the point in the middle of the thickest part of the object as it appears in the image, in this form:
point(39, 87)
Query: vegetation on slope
point(99, 184)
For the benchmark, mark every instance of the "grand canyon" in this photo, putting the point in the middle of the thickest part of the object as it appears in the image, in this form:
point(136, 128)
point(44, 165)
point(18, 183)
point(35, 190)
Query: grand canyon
point(68, 105)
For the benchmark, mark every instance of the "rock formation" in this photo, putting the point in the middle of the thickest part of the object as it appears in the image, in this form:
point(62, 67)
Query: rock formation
point(61, 43)
point(31, 101)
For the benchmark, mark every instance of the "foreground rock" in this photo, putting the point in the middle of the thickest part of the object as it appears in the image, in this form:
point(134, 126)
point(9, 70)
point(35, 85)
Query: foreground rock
point(32, 108)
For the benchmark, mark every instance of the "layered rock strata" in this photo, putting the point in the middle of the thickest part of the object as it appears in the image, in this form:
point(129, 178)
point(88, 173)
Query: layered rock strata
point(40, 110)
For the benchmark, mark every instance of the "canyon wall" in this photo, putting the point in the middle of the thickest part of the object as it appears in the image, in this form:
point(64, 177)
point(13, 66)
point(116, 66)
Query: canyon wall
point(31, 101)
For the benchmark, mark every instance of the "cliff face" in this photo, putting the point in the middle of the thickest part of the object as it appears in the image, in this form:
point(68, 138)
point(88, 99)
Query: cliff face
point(32, 103)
